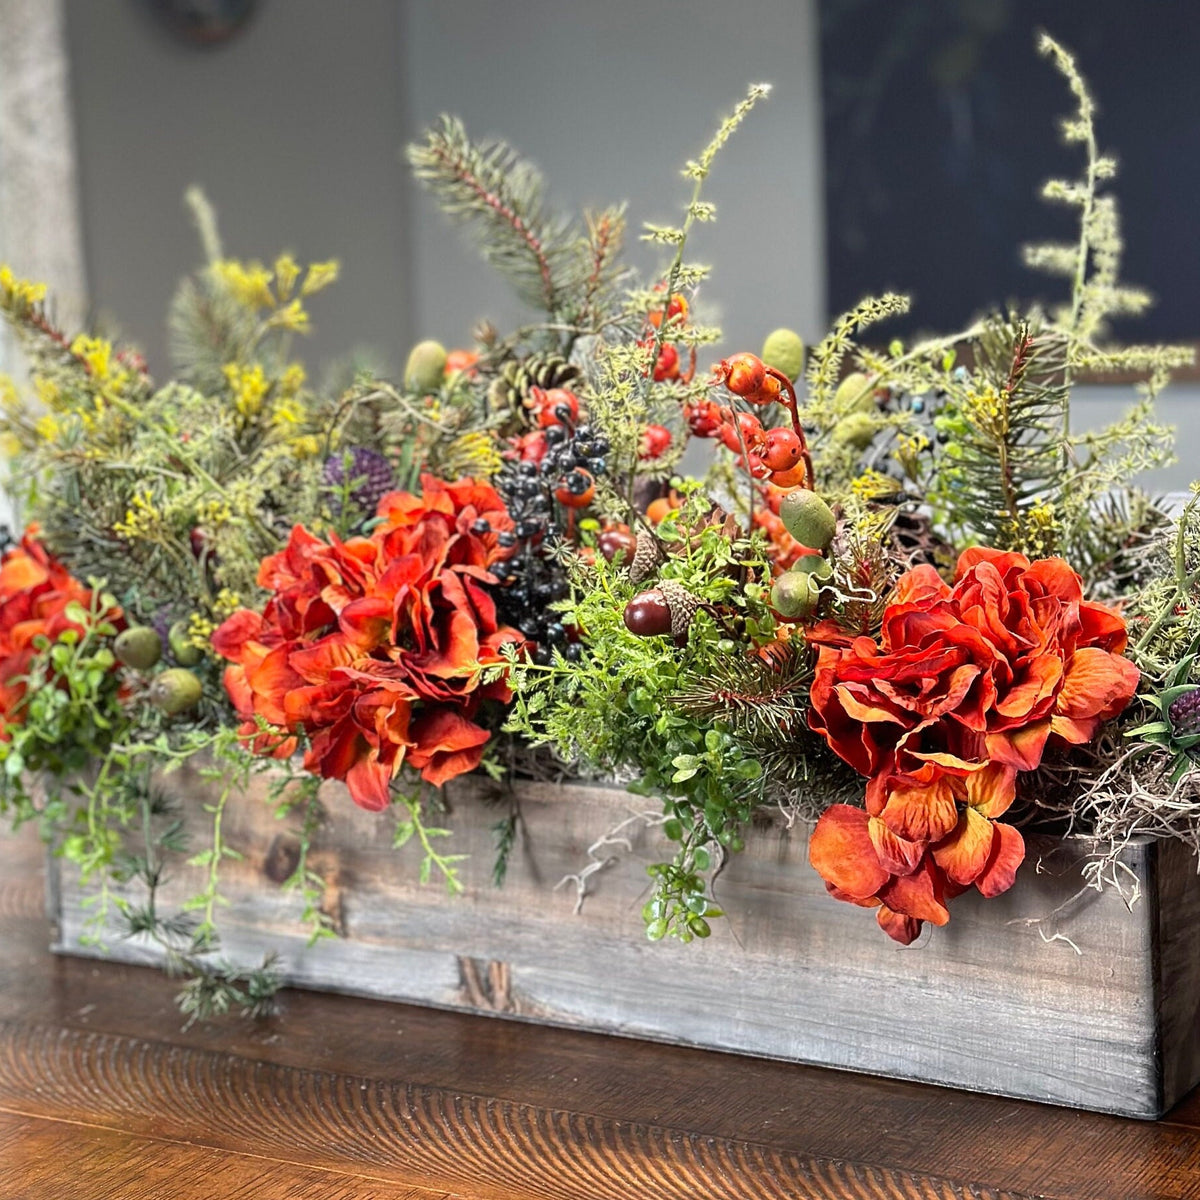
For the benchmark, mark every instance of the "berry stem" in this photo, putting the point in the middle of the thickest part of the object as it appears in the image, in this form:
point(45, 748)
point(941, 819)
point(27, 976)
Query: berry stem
point(793, 409)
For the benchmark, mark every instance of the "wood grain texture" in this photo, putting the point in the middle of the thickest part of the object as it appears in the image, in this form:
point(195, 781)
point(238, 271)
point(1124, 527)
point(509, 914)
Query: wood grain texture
point(501, 1110)
point(1109, 1019)
point(109, 1164)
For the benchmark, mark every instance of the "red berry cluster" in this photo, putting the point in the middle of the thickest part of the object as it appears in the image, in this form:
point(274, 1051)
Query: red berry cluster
point(779, 454)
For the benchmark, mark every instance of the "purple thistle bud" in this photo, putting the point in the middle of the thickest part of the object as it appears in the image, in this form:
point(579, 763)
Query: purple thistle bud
point(1184, 714)
point(369, 472)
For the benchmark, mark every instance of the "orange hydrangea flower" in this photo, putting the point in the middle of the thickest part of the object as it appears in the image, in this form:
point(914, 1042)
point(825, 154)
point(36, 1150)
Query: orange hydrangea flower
point(371, 646)
point(965, 688)
point(35, 590)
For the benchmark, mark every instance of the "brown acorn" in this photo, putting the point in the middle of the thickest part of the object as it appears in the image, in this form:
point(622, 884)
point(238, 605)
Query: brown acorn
point(667, 608)
point(647, 558)
point(617, 541)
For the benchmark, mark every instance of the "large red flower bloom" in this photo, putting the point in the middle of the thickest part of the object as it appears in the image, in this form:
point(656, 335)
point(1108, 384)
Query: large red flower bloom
point(371, 647)
point(965, 688)
point(35, 591)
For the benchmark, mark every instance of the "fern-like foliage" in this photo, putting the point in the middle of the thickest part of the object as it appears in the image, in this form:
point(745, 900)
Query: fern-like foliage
point(501, 196)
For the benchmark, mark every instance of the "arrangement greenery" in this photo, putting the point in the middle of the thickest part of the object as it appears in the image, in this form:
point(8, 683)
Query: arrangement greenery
point(903, 565)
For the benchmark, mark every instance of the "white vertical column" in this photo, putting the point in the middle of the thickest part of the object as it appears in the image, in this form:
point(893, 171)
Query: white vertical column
point(40, 232)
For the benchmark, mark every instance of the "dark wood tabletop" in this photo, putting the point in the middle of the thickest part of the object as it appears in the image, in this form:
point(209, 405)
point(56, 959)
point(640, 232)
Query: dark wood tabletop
point(105, 1094)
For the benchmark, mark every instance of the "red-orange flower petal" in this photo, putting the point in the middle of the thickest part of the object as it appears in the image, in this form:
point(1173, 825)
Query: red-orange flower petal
point(1007, 854)
point(921, 812)
point(841, 851)
point(963, 854)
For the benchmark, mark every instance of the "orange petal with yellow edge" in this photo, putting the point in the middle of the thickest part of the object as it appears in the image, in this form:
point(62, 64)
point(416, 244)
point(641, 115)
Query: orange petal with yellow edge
point(924, 813)
point(841, 852)
point(918, 895)
point(964, 854)
point(992, 789)
point(898, 927)
point(898, 855)
point(1007, 854)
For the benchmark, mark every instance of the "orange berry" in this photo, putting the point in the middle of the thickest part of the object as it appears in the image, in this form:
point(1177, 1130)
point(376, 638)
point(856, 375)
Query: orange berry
point(658, 509)
point(783, 450)
point(769, 393)
point(742, 374)
point(790, 478)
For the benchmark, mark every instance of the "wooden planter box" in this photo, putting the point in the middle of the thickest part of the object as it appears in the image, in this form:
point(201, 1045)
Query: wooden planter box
point(1109, 1020)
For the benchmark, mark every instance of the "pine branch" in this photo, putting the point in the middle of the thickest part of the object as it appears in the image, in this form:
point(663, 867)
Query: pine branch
point(488, 185)
point(762, 699)
point(1004, 476)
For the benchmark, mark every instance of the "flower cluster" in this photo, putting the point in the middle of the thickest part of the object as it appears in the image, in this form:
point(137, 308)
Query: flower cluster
point(968, 686)
point(36, 594)
point(371, 647)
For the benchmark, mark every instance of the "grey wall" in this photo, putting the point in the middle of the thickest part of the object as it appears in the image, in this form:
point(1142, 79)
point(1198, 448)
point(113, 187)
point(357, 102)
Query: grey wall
point(292, 129)
point(611, 99)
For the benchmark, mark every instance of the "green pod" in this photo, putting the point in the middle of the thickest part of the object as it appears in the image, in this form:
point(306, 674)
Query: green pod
point(175, 691)
point(784, 350)
point(426, 367)
point(816, 566)
point(854, 394)
point(186, 652)
point(795, 594)
point(857, 430)
point(138, 647)
point(808, 519)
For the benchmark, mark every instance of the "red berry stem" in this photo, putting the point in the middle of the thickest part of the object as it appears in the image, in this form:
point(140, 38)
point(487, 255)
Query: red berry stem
point(793, 409)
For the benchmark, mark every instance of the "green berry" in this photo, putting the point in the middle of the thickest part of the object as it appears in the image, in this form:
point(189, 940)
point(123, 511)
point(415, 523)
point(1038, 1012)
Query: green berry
point(138, 647)
point(814, 565)
point(854, 394)
point(426, 367)
point(857, 430)
point(186, 652)
point(795, 594)
point(175, 691)
point(784, 350)
point(808, 519)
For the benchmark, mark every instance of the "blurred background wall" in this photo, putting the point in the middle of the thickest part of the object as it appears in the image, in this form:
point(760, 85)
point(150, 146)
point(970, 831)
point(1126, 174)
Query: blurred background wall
point(295, 129)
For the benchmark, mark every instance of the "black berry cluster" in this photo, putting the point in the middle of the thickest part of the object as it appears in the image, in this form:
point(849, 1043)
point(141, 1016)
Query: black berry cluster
point(541, 497)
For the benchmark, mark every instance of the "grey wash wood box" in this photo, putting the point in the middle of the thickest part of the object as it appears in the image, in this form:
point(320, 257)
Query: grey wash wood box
point(1109, 1020)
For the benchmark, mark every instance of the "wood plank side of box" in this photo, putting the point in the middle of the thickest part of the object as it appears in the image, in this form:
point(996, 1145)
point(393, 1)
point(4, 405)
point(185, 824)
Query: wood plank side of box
point(1049, 992)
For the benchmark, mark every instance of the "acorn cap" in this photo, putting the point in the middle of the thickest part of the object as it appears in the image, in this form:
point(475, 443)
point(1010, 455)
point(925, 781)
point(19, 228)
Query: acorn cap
point(855, 390)
point(426, 367)
point(175, 691)
point(808, 518)
point(138, 647)
point(784, 350)
point(683, 605)
point(186, 652)
point(794, 595)
point(647, 557)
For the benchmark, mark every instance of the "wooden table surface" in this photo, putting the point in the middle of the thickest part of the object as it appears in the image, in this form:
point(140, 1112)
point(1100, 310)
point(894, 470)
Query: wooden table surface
point(104, 1094)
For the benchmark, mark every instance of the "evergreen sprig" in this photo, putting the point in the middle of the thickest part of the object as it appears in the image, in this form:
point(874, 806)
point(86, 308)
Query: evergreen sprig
point(488, 186)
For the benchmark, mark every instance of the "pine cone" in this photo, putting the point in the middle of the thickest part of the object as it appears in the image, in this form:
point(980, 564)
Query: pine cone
point(511, 388)
point(683, 605)
point(915, 540)
point(647, 558)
